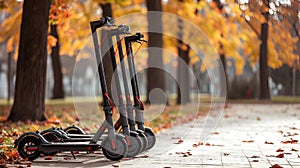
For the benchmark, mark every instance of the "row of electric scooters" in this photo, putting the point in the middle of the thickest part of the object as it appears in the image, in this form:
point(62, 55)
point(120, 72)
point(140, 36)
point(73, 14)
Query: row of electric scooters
point(128, 137)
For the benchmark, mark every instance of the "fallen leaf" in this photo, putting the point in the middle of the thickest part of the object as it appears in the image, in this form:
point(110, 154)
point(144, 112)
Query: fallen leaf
point(269, 142)
point(188, 153)
point(115, 165)
point(276, 166)
point(281, 155)
point(293, 128)
point(279, 150)
point(295, 150)
point(255, 161)
point(254, 156)
point(291, 141)
point(48, 158)
point(216, 133)
point(226, 154)
point(248, 141)
point(28, 164)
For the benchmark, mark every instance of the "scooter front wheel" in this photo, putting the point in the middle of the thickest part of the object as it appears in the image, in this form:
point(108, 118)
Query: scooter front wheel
point(28, 147)
point(150, 137)
point(118, 152)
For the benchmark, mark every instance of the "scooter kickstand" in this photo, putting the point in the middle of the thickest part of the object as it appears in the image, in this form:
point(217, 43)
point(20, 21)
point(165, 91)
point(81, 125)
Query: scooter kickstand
point(73, 155)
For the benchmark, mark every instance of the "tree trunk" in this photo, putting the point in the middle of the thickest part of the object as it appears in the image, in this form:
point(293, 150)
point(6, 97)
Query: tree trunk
point(183, 75)
point(155, 72)
point(223, 78)
point(183, 90)
point(107, 64)
point(220, 6)
point(58, 88)
point(263, 62)
point(9, 75)
point(29, 102)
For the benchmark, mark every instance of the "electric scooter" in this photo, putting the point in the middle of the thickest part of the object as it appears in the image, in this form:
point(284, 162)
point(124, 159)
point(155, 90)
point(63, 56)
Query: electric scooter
point(125, 110)
point(137, 142)
point(134, 142)
point(138, 104)
point(32, 144)
point(75, 133)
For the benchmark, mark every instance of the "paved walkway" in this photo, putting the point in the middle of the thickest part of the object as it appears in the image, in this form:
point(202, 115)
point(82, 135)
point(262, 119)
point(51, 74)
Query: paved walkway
point(259, 136)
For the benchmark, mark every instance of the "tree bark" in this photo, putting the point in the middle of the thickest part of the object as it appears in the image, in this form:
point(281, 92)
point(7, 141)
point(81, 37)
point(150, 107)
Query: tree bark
point(107, 64)
point(263, 62)
point(58, 88)
point(183, 90)
point(155, 72)
point(29, 102)
point(183, 75)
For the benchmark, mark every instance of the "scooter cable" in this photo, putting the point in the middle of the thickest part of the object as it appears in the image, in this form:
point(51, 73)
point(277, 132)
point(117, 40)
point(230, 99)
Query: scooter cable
point(141, 44)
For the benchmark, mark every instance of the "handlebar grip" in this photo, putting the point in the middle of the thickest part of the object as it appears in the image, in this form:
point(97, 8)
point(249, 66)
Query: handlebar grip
point(140, 37)
point(124, 29)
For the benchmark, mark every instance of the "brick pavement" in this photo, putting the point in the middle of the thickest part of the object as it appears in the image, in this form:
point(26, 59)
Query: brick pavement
point(247, 136)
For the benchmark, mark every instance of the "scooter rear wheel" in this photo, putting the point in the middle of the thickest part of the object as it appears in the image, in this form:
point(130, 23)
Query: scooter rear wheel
point(150, 137)
point(135, 145)
point(24, 146)
point(120, 150)
point(73, 130)
point(144, 141)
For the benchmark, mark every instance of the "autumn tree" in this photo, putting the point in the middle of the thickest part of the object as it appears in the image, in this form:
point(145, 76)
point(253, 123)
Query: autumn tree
point(155, 76)
point(266, 13)
point(10, 35)
point(58, 12)
point(29, 101)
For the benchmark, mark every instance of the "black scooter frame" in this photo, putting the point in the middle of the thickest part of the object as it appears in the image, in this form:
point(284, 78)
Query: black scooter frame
point(138, 104)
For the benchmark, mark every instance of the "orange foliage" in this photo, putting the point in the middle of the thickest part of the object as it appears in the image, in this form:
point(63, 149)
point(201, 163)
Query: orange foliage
point(52, 41)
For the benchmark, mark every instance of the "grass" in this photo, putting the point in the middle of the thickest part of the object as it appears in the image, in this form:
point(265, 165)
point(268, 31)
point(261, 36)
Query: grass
point(287, 99)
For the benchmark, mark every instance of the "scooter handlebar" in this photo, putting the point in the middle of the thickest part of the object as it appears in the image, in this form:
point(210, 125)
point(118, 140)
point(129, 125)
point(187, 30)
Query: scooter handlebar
point(139, 37)
point(105, 21)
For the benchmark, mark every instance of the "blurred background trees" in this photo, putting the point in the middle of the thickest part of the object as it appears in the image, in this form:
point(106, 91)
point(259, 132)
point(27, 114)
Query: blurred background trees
point(258, 43)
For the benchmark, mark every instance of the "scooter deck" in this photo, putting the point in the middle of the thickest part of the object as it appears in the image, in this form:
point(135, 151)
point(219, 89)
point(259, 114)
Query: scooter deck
point(68, 146)
point(82, 138)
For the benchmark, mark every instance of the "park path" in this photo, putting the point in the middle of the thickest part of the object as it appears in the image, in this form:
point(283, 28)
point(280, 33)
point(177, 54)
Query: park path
point(249, 135)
